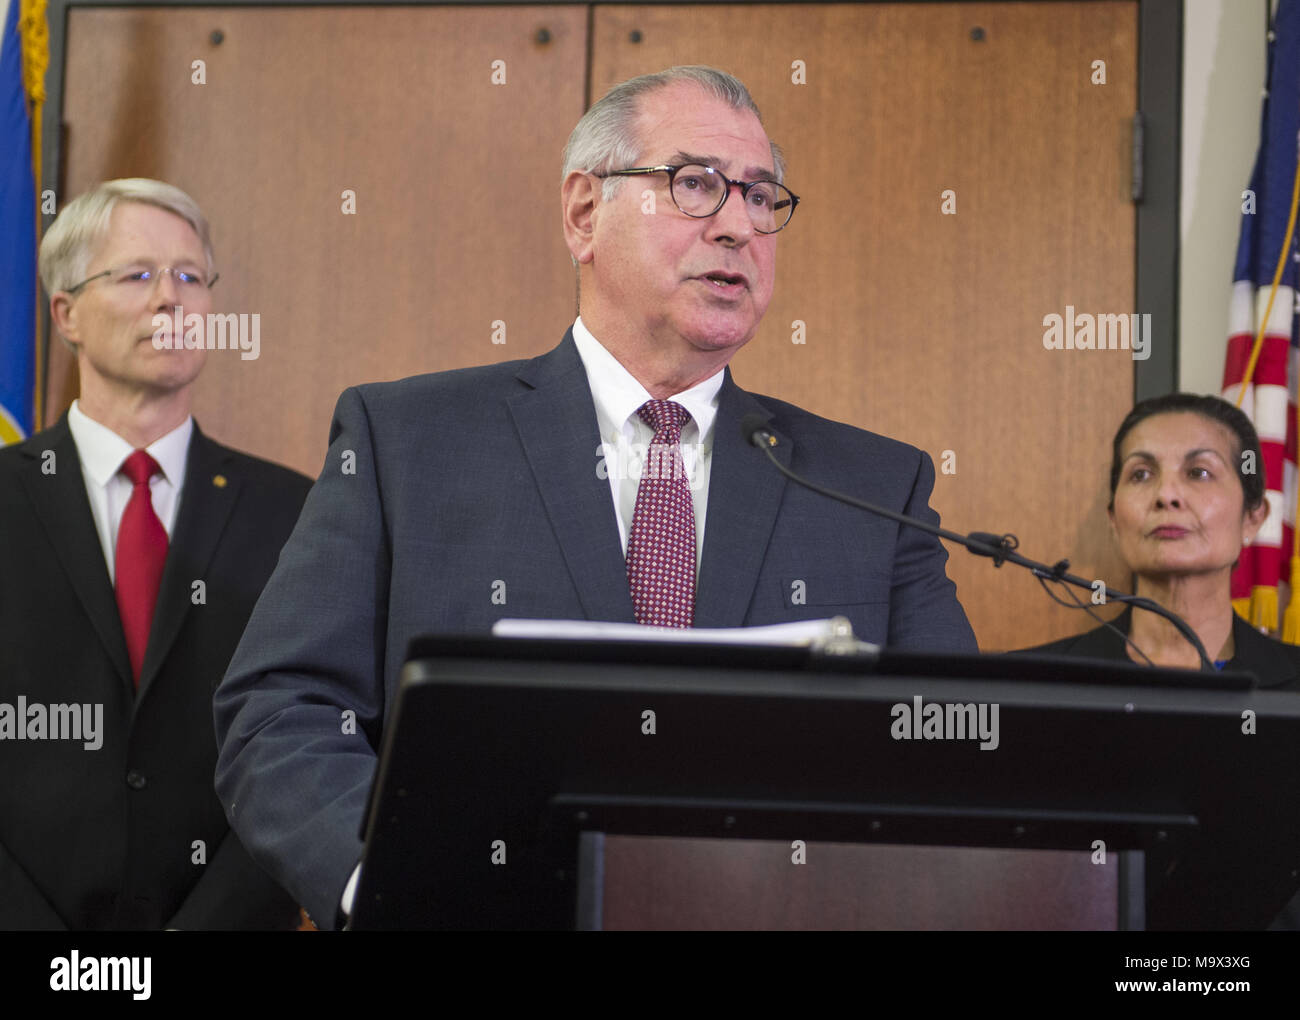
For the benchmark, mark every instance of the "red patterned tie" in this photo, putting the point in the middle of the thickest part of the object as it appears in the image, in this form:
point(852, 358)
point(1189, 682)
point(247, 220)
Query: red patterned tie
point(661, 541)
point(138, 561)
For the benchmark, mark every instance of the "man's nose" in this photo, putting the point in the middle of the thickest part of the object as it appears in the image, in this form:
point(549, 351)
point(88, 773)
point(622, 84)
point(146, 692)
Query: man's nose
point(732, 220)
point(165, 293)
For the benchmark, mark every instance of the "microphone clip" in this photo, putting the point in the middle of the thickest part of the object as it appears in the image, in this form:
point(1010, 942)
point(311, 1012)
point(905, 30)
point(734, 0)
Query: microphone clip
point(1003, 544)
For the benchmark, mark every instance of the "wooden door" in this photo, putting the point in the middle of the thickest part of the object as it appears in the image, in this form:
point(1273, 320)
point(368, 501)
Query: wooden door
point(453, 173)
point(927, 326)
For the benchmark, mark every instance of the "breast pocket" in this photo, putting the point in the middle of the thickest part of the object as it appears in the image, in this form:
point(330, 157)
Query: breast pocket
point(863, 599)
point(833, 590)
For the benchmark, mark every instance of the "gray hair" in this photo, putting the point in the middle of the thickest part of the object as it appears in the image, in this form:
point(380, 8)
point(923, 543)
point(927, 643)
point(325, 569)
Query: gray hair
point(605, 138)
point(81, 227)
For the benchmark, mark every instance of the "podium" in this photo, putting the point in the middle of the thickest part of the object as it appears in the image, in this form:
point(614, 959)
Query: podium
point(539, 784)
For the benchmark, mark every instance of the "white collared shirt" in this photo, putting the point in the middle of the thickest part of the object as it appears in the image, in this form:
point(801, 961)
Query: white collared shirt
point(102, 453)
point(625, 438)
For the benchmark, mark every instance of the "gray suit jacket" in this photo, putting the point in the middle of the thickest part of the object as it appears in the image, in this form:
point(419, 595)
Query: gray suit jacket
point(441, 491)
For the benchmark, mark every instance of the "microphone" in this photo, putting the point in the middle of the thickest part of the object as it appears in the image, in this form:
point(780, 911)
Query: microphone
point(1000, 548)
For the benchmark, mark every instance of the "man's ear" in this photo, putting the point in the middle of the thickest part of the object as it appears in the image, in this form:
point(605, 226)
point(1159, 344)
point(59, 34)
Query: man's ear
point(63, 315)
point(579, 199)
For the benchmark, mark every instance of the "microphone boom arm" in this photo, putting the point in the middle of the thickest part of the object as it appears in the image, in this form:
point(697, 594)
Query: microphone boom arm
point(1000, 548)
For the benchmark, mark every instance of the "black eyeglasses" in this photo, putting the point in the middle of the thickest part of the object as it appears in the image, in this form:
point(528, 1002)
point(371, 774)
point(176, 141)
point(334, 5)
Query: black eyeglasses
point(142, 275)
point(700, 191)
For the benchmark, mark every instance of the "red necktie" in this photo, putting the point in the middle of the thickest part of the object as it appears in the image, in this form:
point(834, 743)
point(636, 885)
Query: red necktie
point(138, 561)
point(661, 541)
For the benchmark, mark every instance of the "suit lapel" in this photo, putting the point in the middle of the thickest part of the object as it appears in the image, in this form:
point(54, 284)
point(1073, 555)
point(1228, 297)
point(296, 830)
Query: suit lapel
point(1253, 652)
point(744, 499)
point(63, 510)
point(1256, 653)
point(1104, 643)
point(557, 427)
point(209, 494)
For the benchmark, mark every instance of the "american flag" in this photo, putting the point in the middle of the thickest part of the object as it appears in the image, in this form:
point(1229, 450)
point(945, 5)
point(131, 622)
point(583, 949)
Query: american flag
point(1262, 327)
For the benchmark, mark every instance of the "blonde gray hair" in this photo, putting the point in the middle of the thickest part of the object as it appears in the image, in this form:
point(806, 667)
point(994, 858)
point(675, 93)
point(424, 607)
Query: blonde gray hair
point(606, 139)
point(79, 230)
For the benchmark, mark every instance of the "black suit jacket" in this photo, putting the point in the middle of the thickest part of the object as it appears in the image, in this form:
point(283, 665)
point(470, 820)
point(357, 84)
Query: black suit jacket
point(1277, 665)
point(129, 835)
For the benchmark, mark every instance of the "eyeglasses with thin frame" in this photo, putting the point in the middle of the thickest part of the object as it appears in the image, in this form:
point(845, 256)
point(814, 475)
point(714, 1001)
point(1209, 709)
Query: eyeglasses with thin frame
point(143, 275)
point(699, 191)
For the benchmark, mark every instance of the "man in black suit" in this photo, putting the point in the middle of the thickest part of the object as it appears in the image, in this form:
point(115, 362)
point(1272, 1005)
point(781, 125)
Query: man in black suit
point(133, 549)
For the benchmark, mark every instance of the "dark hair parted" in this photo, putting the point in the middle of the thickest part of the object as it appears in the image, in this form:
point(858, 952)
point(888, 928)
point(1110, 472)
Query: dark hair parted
point(1216, 410)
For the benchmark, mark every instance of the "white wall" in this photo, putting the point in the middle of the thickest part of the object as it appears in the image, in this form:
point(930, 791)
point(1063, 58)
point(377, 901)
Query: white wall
point(1224, 62)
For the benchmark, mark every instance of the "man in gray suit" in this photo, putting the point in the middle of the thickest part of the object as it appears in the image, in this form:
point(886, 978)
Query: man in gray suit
point(606, 480)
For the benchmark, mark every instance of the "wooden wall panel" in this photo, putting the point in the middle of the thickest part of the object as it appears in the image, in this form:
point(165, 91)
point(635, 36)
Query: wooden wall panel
point(456, 181)
point(918, 325)
point(929, 327)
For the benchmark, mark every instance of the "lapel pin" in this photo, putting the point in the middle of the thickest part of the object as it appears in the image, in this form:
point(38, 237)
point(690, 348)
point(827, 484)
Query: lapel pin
point(219, 481)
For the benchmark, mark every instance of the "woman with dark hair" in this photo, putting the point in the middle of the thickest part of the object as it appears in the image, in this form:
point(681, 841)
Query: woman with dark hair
point(1186, 494)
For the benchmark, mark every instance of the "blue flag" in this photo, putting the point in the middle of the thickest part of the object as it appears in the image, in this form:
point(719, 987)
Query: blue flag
point(17, 243)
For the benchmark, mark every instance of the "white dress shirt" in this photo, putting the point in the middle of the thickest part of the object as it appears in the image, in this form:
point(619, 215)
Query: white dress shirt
point(102, 453)
point(625, 438)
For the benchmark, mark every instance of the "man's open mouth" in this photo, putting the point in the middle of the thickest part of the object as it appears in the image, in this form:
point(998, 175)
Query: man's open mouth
point(724, 279)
